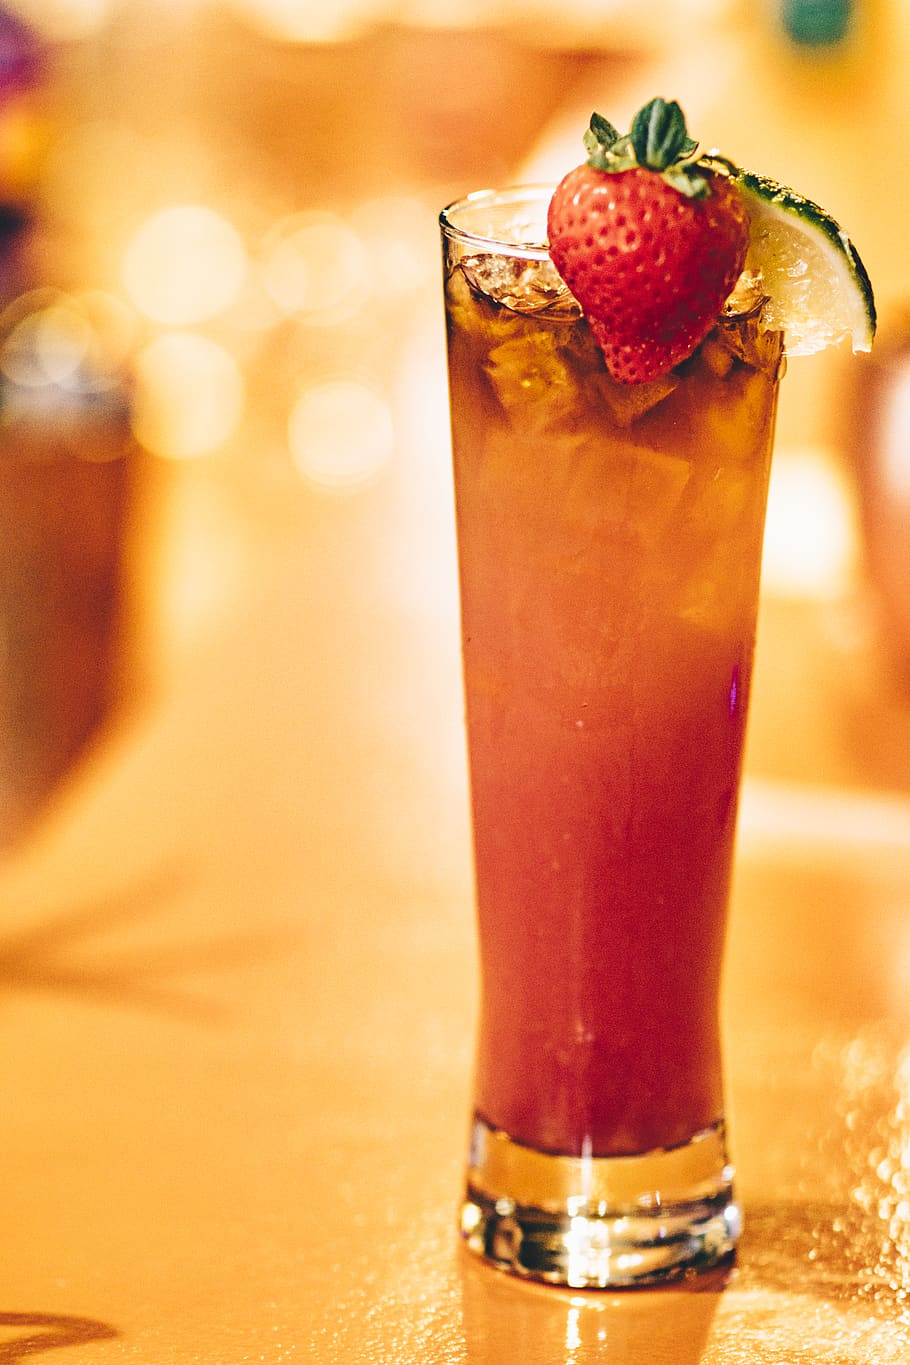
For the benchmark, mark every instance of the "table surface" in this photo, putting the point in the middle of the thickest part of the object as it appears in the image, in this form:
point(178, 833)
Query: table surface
point(239, 983)
point(237, 948)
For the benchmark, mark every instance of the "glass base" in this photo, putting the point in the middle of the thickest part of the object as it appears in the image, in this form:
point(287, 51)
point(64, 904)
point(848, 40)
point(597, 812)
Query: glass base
point(600, 1222)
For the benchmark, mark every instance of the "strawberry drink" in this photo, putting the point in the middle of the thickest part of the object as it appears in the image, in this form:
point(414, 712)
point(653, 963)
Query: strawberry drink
point(613, 381)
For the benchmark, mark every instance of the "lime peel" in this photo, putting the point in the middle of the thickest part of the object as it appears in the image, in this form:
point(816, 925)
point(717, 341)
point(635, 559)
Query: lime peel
point(819, 290)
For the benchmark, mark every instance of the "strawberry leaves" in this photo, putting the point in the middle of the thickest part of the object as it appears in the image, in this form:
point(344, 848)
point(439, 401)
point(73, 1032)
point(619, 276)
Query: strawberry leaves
point(601, 140)
point(658, 140)
point(659, 136)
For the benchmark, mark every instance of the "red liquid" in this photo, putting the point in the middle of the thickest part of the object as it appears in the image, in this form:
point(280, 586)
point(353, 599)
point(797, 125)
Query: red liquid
point(609, 583)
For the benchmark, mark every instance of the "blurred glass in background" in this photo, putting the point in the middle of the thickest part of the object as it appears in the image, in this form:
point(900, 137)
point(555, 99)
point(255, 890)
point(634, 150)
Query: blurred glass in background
point(221, 344)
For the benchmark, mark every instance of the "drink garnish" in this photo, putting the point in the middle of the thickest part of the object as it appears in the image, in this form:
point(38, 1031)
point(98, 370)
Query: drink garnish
point(819, 292)
point(652, 238)
point(649, 242)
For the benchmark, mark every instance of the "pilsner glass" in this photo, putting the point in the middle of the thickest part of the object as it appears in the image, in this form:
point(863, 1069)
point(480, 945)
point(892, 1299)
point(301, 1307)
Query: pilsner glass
point(609, 545)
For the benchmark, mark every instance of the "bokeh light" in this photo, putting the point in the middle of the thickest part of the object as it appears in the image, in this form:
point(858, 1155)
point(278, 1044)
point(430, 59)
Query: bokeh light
point(896, 435)
point(308, 21)
point(341, 435)
point(77, 341)
point(52, 345)
point(400, 241)
point(314, 264)
point(65, 20)
point(185, 264)
point(811, 534)
point(113, 327)
point(44, 339)
point(189, 396)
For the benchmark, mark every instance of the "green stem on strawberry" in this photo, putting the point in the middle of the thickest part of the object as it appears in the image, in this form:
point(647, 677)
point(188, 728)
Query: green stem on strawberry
point(659, 134)
point(658, 141)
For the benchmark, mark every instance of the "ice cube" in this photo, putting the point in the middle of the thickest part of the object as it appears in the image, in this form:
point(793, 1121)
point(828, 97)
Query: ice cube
point(531, 287)
point(748, 340)
point(745, 329)
point(529, 374)
point(748, 297)
point(629, 402)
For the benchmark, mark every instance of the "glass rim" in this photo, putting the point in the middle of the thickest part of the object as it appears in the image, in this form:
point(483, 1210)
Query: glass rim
point(487, 241)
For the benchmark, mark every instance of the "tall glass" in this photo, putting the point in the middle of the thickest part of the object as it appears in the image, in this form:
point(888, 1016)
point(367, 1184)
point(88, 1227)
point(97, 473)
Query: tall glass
point(609, 542)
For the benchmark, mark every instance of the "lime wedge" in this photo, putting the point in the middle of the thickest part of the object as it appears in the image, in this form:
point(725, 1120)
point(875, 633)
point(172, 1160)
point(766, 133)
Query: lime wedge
point(818, 288)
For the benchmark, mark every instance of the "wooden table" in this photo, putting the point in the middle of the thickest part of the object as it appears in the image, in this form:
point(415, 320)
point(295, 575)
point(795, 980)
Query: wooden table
point(238, 969)
point(237, 951)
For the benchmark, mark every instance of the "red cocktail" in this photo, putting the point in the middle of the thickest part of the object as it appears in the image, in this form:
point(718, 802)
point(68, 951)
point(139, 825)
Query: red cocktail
point(609, 549)
point(615, 348)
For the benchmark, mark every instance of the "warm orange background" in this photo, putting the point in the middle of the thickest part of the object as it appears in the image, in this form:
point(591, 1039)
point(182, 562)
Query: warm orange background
point(237, 937)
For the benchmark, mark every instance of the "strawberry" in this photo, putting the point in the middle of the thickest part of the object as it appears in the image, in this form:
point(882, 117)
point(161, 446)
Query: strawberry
point(650, 241)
